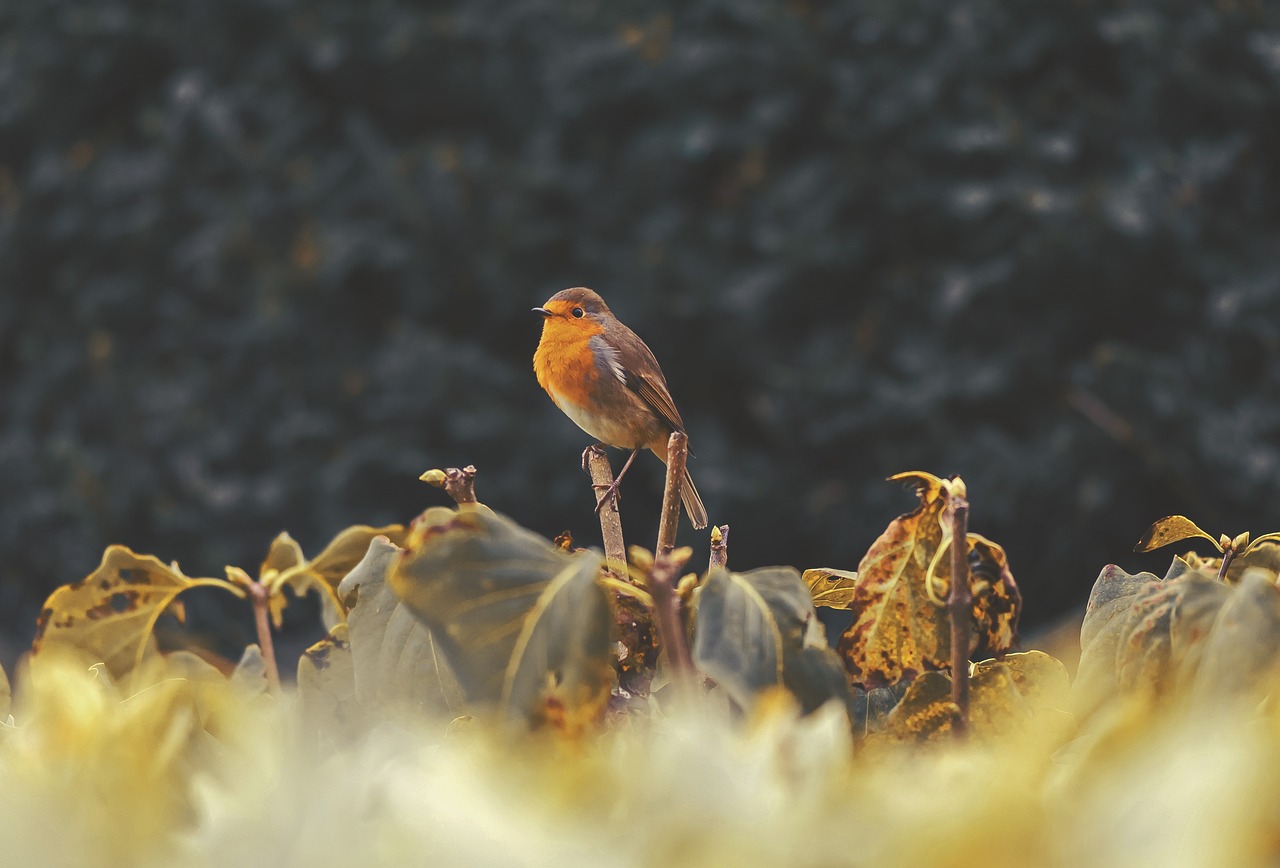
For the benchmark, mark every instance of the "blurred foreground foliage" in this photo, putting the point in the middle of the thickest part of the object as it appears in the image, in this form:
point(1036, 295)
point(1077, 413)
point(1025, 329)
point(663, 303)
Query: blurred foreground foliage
point(479, 702)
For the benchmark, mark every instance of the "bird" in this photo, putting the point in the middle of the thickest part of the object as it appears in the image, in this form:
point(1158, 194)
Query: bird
point(607, 381)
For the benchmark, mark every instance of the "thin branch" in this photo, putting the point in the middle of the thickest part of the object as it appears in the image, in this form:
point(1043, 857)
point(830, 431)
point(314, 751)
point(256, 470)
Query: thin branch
point(259, 595)
point(677, 455)
point(458, 484)
point(666, 608)
point(596, 462)
point(720, 546)
point(959, 607)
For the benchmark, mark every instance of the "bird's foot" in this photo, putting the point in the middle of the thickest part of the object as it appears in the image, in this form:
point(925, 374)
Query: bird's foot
point(610, 494)
point(593, 449)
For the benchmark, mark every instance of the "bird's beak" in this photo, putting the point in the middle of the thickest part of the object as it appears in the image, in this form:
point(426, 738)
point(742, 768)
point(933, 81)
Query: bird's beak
point(542, 310)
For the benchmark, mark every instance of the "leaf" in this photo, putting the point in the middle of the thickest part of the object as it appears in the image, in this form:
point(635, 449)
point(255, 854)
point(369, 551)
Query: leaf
point(111, 613)
point(285, 566)
point(326, 685)
point(1004, 696)
point(758, 630)
point(1171, 529)
point(897, 631)
point(523, 624)
point(395, 658)
point(997, 602)
point(1242, 651)
point(830, 587)
point(1142, 633)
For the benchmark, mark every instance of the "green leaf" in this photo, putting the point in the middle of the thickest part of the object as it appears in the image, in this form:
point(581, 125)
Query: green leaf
point(396, 661)
point(524, 625)
point(759, 630)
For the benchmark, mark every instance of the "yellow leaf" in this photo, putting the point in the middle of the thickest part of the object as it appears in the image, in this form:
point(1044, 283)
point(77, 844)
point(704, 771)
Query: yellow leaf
point(831, 587)
point(1171, 529)
point(111, 613)
point(285, 566)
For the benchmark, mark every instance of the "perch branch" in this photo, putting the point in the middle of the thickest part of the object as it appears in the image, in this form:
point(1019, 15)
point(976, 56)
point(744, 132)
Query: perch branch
point(677, 455)
point(959, 606)
point(596, 462)
point(458, 484)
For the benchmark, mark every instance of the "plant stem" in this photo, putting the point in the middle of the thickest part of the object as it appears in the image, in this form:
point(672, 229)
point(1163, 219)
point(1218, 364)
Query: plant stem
point(677, 456)
point(1228, 555)
point(615, 550)
point(720, 546)
point(666, 608)
point(666, 566)
point(959, 605)
point(460, 484)
point(262, 620)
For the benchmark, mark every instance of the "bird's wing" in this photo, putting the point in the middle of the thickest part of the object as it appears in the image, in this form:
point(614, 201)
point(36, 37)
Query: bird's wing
point(643, 376)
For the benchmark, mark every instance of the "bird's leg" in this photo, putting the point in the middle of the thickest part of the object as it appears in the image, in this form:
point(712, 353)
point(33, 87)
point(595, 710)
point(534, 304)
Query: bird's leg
point(611, 490)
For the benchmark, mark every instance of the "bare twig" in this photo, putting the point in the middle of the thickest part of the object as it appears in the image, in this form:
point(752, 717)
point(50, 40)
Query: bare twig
point(596, 462)
point(720, 546)
point(666, 608)
point(677, 456)
point(458, 484)
point(959, 606)
point(258, 595)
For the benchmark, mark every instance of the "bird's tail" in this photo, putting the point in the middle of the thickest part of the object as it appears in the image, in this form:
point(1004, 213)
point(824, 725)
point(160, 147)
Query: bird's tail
point(692, 502)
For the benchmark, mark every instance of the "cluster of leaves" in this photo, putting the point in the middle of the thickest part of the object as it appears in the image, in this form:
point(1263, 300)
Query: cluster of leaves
point(466, 612)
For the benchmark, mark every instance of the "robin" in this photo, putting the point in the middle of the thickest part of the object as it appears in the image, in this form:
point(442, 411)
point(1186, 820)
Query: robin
point(607, 381)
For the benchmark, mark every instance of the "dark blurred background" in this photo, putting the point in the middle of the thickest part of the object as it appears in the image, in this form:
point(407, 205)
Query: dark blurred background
point(263, 263)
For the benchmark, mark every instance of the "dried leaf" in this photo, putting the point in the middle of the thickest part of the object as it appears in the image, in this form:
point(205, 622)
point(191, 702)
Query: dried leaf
point(897, 631)
point(111, 613)
point(1241, 654)
point(1171, 529)
point(831, 587)
point(997, 602)
point(1004, 696)
point(520, 621)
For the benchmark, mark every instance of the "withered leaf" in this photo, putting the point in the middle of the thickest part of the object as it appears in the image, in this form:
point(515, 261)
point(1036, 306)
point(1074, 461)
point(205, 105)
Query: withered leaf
point(1171, 529)
point(758, 630)
point(285, 566)
point(898, 631)
point(899, 628)
point(521, 622)
point(1004, 695)
point(1242, 651)
point(110, 614)
point(830, 587)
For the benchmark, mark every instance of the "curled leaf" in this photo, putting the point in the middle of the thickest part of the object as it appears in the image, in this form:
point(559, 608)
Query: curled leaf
point(830, 587)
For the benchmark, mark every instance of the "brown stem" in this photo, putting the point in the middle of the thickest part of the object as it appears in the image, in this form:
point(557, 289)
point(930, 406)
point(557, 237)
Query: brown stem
point(959, 606)
point(677, 455)
point(1228, 555)
point(720, 546)
point(666, 607)
point(258, 595)
point(458, 484)
point(596, 463)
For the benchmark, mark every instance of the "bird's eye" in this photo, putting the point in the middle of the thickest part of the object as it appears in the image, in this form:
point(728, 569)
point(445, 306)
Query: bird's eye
point(577, 313)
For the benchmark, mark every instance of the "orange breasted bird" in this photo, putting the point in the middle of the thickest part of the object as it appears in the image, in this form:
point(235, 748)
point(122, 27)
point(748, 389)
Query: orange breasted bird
point(607, 381)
